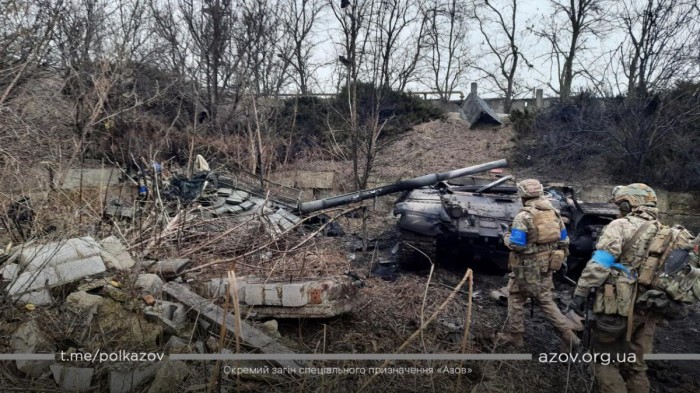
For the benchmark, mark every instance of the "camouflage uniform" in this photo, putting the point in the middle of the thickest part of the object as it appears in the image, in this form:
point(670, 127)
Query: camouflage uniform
point(532, 264)
point(610, 270)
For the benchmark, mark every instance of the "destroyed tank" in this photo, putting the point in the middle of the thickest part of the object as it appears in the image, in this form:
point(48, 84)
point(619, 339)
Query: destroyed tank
point(465, 222)
point(438, 220)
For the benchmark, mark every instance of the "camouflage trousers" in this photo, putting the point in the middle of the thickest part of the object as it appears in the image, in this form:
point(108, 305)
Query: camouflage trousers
point(627, 377)
point(515, 324)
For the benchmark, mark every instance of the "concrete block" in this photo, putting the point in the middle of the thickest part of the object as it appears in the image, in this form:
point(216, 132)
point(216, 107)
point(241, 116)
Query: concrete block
point(32, 280)
point(126, 381)
point(149, 282)
point(53, 254)
point(75, 270)
point(83, 301)
point(294, 295)
point(10, 271)
point(115, 254)
point(41, 297)
point(73, 379)
point(272, 295)
point(254, 294)
point(171, 316)
point(319, 180)
point(89, 177)
point(216, 288)
point(29, 338)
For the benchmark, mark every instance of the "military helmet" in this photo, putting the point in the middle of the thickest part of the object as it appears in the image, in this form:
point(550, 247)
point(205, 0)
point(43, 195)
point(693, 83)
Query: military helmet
point(530, 188)
point(636, 194)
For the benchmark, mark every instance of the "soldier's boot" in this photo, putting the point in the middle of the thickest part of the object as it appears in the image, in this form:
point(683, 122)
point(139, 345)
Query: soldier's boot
point(516, 339)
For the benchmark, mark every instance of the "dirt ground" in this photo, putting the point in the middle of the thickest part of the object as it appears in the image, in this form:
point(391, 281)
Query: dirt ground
point(392, 312)
point(444, 145)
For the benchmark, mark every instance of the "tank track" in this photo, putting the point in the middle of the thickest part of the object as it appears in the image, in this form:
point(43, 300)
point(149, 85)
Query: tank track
point(412, 259)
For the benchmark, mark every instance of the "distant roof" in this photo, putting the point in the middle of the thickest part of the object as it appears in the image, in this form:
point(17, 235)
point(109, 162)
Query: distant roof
point(478, 112)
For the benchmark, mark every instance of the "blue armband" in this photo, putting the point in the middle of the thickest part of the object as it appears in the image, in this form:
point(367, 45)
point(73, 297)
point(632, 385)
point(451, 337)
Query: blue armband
point(603, 258)
point(607, 260)
point(563, 235)
point(518, 237)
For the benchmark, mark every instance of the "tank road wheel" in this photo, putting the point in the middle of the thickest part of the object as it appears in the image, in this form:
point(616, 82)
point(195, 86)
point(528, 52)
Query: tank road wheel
point(414, 251)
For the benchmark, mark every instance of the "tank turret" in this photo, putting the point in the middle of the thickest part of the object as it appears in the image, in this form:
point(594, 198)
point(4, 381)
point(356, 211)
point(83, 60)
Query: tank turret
point(403, 185)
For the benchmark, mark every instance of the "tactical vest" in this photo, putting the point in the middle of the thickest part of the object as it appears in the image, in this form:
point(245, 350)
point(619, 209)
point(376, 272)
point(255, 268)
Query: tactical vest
point(662, 268)
point(546, 226)
point(528, 268)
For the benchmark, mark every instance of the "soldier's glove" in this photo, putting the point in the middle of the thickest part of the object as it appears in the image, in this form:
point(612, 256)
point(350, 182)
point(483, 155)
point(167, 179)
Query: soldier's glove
point(502, 229)
point(578, 304)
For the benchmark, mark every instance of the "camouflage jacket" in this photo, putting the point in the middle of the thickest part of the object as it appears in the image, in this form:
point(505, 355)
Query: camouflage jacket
point(608, 260)
point(522, 238)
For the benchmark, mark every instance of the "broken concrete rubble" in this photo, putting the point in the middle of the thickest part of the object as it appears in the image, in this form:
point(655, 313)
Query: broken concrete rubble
point(321, 298)
point(249, 335)
point(169, 377)
point(44, 266)
point(115, 254)
point(73, 379)
point(29, 338)
point(176, 344)
point(171, 316)
point(149, 282)
point(124, 378)
point(83, 301)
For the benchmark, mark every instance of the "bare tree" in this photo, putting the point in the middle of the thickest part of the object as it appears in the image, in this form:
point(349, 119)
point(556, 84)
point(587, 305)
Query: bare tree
point(210, 26)
point(447, 55)
point(400, 26)
point(568, 31)
point(355, 23)
point(26, 30)
point(260, 39)
point(498, 26)
point(298, 20)
point(659, 44)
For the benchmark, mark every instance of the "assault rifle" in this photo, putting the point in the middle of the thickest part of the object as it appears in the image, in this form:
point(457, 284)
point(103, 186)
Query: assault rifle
point(589, 321)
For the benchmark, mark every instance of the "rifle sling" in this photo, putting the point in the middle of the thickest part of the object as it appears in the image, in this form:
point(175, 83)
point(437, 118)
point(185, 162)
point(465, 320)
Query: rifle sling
point(635, 237)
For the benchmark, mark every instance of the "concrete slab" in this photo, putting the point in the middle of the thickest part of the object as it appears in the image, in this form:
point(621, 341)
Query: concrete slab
point(254, 294)
point(311, 179)
point(29, 338)
point(56, 253)
point(294, 295)
point(127, 380)
point(10, 271)
point(272, 295)
point(100, 177)
point(73, 379)
point(71, 271)
point(115, 254)
point(41, 297)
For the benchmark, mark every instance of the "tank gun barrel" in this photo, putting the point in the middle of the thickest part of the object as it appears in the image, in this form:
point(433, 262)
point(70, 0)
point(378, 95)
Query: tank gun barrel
point(403, 185)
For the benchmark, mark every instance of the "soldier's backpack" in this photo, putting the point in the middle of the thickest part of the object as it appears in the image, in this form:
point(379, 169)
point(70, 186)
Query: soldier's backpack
point(670, 271)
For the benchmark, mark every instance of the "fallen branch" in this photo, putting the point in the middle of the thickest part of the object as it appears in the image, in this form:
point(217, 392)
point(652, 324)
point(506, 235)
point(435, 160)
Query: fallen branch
point(266, 245)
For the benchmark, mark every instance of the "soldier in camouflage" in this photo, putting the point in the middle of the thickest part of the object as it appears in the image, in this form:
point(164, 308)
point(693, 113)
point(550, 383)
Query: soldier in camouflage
point(619, 250)
point(539, 245)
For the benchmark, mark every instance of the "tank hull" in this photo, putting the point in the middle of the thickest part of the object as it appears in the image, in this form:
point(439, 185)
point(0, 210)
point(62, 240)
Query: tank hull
point(464, 225)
